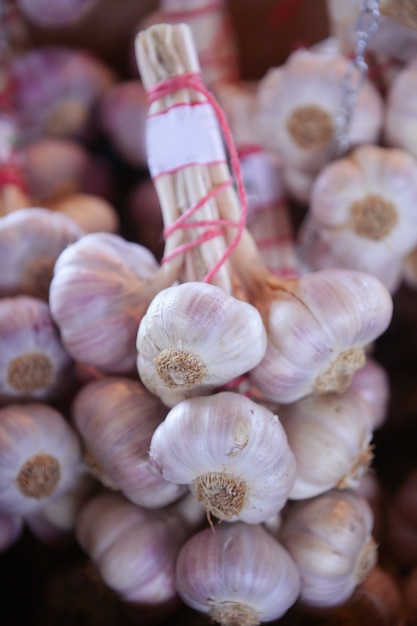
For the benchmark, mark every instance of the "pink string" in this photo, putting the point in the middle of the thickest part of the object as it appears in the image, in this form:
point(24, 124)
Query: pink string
point(12, 175)
point(193, 81)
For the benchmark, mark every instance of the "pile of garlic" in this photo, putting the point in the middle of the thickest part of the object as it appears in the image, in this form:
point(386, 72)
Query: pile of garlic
point(209, 439)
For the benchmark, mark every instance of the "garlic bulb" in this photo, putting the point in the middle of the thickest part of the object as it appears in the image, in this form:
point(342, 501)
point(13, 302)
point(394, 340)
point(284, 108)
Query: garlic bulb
point(134, 549)
point(11, 527)
point(400, 123)
point(298, 105)
point(231, 451)
point(101, 287)
point(55, 13)
point(33, 362)
point(92, 213)
point(362, 212)
point(40, 457)
point(330, 438)
point(329, 538)
point(193, 338)
point(30, 242)
point(238, 574)
point(116, 418)
point(335, 314)
point(371, 383)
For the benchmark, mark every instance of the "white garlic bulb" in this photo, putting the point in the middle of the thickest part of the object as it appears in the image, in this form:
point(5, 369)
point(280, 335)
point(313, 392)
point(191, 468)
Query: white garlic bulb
point(238, 574)
point(333, 315)
point(298, 106)
point(362, 212)
point(329, 538)
point(330, 438)
point(232, 452)
point(400, 124)
point(194, 338)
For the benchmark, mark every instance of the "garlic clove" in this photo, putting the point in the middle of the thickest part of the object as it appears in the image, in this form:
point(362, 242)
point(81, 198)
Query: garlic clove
point(193, 338)
point(231, 451)
point(30, 242)
point(329, 538)
point(238, 574)
point(40, 457)
point(336, 314)
point(330, 438)
point(120, 446)
point(33, 361)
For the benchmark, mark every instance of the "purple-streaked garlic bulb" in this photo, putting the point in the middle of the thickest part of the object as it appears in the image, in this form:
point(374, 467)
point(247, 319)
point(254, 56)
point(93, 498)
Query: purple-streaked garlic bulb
point(30, 242)
point(194, 338)
point(134, 549)
point(34, 365)
point(400, 541)
point(92, 213)
point(317, 333)
point(122, 113)
point(55, 522)
point(116, 418)
point(56, 88)
point(362, 213)
point(55, 13)
point(330, 438)
point(40, 457)
point(371, 383)
point(330, 540)
point(298, 104)
point(237, 574)
point(11, 527)
point(400, 123)
point(232, 452)
point(101, 288)
point(54, 166)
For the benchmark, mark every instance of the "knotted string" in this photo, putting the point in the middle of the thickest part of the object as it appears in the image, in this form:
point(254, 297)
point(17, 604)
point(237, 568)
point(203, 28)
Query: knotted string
point(193, 82)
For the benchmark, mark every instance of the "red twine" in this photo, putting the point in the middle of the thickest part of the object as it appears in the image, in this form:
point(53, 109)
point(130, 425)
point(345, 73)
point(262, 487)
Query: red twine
point(12, 175)
point(193, 81)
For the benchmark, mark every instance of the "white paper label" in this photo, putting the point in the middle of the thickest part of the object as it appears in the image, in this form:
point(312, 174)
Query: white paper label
point(182, 136)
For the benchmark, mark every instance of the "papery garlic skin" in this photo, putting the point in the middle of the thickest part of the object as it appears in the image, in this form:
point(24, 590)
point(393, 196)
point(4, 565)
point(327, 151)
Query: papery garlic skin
point(194, 338)
point(11, 527)
point(231, 451)
point(40, 457)
point(238, 574)
point(298, 106)
point(134, 549)
point(116, 418)
point(30, 242)
point(329, 538)
point(330, 438)
point(333, 314)
point(400, 124)
point(97, 298)
point(33, 362)
point(371, 383)
point(361, 213)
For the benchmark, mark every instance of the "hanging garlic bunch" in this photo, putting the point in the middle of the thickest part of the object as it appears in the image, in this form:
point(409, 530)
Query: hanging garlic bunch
point(362, 215)
point(33, 362)
point(298, 106)
point(330, 438)
point(101, 287)
point(116, 418)
point(193, 338)
point(329, 538)
point(40, 457)
point(335, 314)
point(237, 574)
point(232, 452)
point(30, 242)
